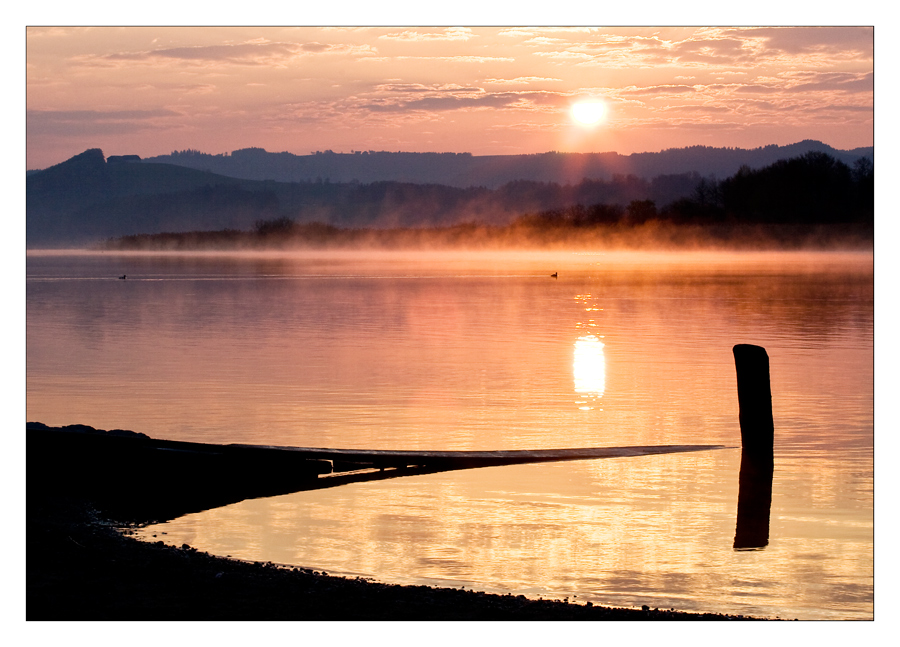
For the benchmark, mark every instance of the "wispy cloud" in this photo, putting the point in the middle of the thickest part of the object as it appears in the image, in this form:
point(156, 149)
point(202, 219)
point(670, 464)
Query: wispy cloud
point(420, 36)
point(855, 41)
point(93, 122)
point(460, 100)
point(698, 108)
point(250, 53)
point(457, 59)
point(831, 81)
point(805, 82)
point(730, 51)
point(565, 55)
point(442, 103)
point(524, 80)
point(657, 90)
point(419, 87)
point(101, 115)
point(708, 47)
point(517, 32)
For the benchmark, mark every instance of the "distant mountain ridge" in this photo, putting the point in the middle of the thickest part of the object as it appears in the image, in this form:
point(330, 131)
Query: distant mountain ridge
point(89, 197)
point(464, 170)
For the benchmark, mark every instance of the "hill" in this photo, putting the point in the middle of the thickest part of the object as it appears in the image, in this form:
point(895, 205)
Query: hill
point(464, 170)
point(90, 198)
point(85, 198)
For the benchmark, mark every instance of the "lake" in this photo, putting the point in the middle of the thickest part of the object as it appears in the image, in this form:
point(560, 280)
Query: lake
point(483, 351)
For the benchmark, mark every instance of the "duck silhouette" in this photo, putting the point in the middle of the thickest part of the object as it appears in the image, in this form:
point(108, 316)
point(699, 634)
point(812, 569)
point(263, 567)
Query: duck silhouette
point(123, 276)
point(552, 276)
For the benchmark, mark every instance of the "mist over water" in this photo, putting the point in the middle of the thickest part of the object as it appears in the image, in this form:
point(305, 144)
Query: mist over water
point(485, 350)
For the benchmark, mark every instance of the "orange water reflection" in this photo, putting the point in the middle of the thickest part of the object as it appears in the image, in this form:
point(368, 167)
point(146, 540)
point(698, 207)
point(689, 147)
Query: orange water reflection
point(652, 530)
point(398, 357)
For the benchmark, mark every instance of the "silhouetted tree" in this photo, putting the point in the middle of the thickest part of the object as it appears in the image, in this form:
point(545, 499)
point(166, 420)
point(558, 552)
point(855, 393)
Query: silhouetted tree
point(274, 227)
point(812, 188)
point(864, 178)
point(640, 211)
point(707, 193)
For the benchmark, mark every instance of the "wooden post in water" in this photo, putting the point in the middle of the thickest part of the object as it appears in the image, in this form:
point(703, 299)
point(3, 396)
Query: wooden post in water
point(757, 447)
point(754, 399)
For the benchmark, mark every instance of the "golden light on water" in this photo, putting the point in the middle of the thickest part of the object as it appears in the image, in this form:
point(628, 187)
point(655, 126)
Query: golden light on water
point(589, 368)
point(622, 532)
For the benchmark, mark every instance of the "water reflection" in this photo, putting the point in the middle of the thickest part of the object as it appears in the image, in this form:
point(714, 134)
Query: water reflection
point(757, 447)
point(343, 354)
point(754, 502)
point(589, 368)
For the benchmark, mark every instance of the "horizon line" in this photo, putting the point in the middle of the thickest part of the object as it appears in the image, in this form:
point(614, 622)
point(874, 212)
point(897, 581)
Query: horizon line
point(354, 152)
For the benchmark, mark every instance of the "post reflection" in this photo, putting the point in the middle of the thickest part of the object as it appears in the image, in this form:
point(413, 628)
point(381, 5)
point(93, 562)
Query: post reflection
point(589, 370)
point(754, 502)
point(757, 447)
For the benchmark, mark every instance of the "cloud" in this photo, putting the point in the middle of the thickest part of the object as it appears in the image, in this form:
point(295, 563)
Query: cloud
point(803, 82)
point(443, 103)
point(657, 89)
point(841, 82)
point(714, 47)
point(404, 87)
point(831, 108)
point(526, 80)
point(101, 115)
point(449, 34)
point(760, 103)
point(315, 47)
point(58, 32)
point(459, 99)
point(517, 32)
point(636, 44)
point(93, 122)
point(696, 108)
point(245, 53)
point(854, 41)
point(565, 55)
point(705, 47)
point(709, 51)
point(755, 88)
point(419, 87)
point(249, 53)
point(542, 40)
point(455, 59)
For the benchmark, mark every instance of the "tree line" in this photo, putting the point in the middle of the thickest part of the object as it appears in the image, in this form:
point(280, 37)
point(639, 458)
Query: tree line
point(812, 189)
point(802, 193)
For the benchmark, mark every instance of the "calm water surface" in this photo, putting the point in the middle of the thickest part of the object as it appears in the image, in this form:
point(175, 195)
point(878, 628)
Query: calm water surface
point(486, 351)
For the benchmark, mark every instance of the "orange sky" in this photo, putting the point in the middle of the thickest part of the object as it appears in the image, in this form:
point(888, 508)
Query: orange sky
point(498, 90)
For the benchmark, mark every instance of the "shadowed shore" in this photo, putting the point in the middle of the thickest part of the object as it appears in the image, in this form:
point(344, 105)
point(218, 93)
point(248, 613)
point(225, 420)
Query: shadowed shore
point(81, 564)
point(168, 478)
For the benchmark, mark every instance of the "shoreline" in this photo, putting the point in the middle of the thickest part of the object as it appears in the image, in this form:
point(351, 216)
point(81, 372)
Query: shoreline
point(82, 563)
point(649, 235)
point(80, 566)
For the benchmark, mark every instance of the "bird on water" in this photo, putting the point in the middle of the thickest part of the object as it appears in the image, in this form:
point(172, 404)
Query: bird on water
point(123, 276)
point(554, 275)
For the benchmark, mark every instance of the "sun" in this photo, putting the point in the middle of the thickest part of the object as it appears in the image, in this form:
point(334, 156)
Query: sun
point(588, 112)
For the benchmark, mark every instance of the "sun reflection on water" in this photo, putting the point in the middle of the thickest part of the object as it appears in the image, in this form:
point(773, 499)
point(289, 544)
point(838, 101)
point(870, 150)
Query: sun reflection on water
point(589, 369)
